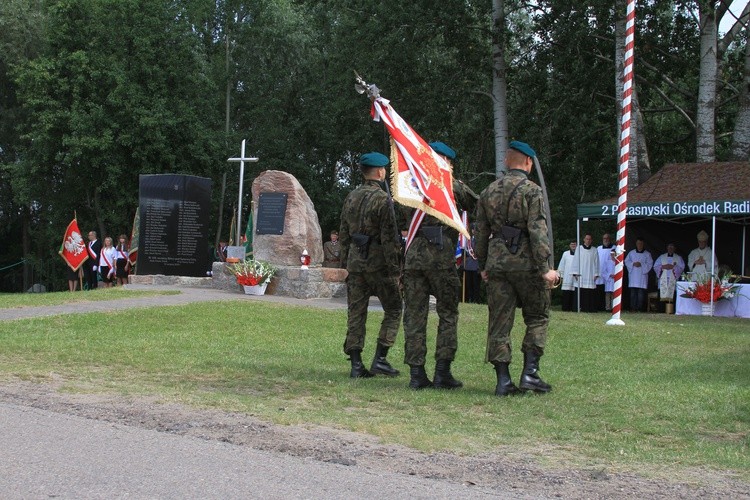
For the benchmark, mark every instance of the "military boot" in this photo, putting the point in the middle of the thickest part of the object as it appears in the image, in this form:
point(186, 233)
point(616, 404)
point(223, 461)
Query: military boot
point(419, 378)
point(380, 365)
point(443, 377)
point(358, 368)
point(530, 380)
point(505, 385)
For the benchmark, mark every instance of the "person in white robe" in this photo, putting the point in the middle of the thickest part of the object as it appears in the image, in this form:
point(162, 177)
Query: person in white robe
point(608, 275)
point(639, 263)
point(568, 283)
point(585, 272)
point(668, 268)
point(603, 250)
point(702, 260)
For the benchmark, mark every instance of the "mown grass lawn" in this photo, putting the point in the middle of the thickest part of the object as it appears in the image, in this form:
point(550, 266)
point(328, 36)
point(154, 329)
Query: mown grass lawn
point(661, 393)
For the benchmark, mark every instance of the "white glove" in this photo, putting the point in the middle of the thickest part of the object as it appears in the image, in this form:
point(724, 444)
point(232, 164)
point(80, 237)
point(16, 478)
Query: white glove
point(95, 268)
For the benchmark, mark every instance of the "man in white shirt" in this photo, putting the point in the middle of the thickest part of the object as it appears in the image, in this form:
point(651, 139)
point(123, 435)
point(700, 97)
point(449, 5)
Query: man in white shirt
point(702, 260)
point(585, 272)
point(568, 283)
point(639, 263)
point(603, 250)
point(668, 268)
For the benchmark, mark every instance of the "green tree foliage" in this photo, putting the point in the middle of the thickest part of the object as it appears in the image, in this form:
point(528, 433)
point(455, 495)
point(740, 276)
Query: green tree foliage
point(95, 92)
point(121, 88)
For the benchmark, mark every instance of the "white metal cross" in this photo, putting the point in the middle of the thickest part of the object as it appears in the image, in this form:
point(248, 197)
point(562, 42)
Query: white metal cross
point(242, 161)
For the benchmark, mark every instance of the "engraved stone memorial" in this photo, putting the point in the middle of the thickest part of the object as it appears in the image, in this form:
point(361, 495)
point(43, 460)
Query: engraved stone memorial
point(174, 225)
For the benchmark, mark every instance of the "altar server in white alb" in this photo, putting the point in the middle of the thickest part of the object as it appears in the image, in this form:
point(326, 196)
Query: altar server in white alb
point(565, 269)
point(639, 263)
point(608, 275)
point(702, 260)
point(668, 268)
point(604, 250)
point(585, 272)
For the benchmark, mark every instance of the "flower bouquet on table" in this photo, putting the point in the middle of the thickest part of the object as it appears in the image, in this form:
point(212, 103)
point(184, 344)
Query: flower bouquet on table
point(253, 275)
point(701, 289)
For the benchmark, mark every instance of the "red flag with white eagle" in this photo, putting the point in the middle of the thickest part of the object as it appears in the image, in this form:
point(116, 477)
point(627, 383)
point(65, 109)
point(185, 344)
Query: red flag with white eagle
point(420, 178)
point(73, 247)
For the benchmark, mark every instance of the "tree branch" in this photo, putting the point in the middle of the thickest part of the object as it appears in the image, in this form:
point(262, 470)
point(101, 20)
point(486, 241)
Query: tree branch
point(739, 23)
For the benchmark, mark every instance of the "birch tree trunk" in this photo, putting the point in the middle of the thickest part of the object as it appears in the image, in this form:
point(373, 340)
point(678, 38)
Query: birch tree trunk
point(741, 135)
point(643, 163)
point(499, 86)
point(705, 128)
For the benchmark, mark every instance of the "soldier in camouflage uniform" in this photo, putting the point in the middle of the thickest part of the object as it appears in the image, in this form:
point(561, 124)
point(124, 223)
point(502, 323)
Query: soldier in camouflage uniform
point(370, 253)
point(430, 269)
point(515, 271)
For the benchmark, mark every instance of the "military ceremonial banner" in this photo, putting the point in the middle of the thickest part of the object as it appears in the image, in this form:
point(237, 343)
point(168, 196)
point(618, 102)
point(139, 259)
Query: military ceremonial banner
point(420, 178)
point(133, 253)
point(73, 248)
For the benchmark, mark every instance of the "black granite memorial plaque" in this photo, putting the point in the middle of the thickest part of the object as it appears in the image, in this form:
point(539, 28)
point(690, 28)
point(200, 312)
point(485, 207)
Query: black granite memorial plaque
point(174, 225)
point(271, 213)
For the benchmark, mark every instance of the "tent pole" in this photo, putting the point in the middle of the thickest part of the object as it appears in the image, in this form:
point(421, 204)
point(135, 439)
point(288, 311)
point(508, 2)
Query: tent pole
point(578, 256)
point(713, 264)
point(744, 245)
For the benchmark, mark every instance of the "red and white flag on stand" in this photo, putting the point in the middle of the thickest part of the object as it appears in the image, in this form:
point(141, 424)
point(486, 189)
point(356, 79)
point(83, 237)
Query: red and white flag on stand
point(133, 254)
point(73, 248)
point(420, 178)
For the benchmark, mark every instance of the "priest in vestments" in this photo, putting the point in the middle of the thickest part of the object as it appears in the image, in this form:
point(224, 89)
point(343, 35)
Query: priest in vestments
point(702, 260)
point(668, 268)
point(568, 283)
point(585, 272)
point(639, 263)
point(608, 275)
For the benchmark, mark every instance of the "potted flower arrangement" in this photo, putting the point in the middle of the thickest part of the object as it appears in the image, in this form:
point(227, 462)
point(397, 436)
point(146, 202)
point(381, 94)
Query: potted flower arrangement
point(702, 291)
point(253, 275)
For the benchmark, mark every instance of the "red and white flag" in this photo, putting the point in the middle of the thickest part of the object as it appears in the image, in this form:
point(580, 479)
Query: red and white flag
point(73, 248)
point(420, 178)
point(133, 254)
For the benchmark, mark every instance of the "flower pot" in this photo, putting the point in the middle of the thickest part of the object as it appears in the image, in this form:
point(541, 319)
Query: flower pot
point(707, 309)
point(255, 289)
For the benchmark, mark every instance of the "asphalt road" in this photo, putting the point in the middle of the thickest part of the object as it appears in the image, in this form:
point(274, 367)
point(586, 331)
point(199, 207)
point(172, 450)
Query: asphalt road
point(51, 455)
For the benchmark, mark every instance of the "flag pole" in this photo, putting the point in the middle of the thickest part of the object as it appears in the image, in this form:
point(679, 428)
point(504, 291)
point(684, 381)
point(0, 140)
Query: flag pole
point(463, 280)
point(622, 201)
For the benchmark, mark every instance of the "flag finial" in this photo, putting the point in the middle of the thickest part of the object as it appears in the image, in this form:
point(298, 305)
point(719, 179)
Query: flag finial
point(361, 86)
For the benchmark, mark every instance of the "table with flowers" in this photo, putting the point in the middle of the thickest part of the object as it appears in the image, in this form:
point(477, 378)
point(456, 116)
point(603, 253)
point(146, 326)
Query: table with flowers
point(736, 306)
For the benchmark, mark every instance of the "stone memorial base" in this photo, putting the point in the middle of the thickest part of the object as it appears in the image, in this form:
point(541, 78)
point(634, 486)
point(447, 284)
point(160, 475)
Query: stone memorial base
point(160, 279)
point(291, 281)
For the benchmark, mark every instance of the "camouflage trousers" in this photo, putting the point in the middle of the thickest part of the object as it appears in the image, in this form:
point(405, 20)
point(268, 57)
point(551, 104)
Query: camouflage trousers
point(359, 288)
point(418, 286)
point(504, 292)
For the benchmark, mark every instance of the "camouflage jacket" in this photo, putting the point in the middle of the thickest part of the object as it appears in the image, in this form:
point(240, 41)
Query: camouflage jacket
point(524, 211)
point(422, 254)
point(366, 211)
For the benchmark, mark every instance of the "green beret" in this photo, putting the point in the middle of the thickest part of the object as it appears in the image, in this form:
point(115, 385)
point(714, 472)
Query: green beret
point(374, 160)
point(442, 149)
point(522, 147)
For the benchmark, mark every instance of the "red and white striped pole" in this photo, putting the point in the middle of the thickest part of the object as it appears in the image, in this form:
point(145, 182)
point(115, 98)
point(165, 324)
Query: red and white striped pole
point(622, 201)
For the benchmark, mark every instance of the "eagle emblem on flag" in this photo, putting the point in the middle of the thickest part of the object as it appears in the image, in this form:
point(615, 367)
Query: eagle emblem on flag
point(73, 248)
point(74, 243)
